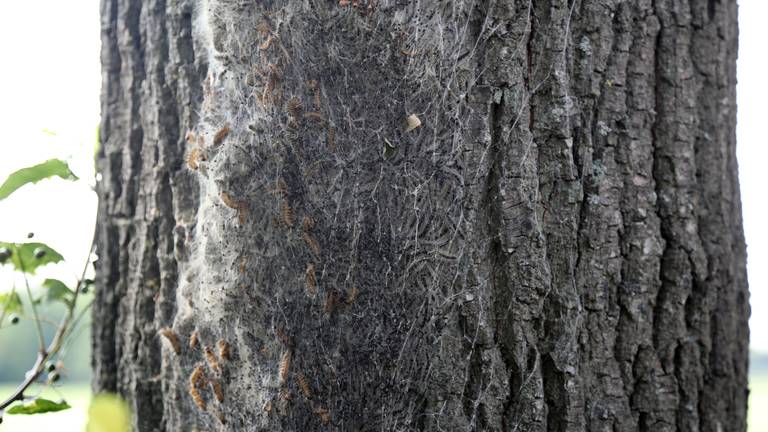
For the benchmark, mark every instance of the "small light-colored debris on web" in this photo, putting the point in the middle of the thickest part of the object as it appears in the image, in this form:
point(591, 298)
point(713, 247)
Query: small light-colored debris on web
point(412, 122)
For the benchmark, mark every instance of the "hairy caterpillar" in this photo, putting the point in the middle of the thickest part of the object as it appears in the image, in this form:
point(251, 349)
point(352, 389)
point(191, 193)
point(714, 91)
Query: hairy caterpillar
point(223, 347)
point(285, 365)
point(194, 381)
point(312, 243)
point(311, 279)
point(285, 394)
point(304, 385)
point(212, 361)
point(307, 223)
point(217, 390)
point(287, 214)
point(331, 300)
point(172, 338)
point(193, 339)
point(352, 294)
point(294, 107)
point(325, 415)
point(218, 138)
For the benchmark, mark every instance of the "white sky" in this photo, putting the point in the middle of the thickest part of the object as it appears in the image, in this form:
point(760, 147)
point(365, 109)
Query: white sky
point(50, 80)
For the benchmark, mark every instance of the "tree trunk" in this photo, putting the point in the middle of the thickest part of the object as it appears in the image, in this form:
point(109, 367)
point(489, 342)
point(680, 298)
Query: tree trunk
point(556, 247)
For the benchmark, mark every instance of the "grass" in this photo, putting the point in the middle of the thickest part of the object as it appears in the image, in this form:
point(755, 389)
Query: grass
point(79, 395)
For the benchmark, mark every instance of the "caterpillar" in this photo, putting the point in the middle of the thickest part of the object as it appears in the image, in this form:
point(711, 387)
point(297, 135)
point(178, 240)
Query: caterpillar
point(212, 361)
point(218, 138)
point(223, 347)
point(307, 223)
point(304, 385)
point(172, 338)
point(194, 381)
point(311, 279)
point(287, 214)
point(285, 365)
point(325, 415)
point(229, 201)
point(331, 299)
point(217, 390)
point(193, 339)
point(294, 107)
point(352, 294)
point(312, 243)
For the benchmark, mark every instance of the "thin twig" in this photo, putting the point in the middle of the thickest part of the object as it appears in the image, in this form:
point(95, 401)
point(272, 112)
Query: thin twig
point(38, 326)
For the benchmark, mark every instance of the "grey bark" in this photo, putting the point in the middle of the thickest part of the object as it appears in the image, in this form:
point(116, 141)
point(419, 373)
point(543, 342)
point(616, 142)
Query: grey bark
point(558, 246)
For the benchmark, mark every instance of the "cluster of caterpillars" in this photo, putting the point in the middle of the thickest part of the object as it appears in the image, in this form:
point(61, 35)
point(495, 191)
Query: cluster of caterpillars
point(204, 375)
point(284, 395)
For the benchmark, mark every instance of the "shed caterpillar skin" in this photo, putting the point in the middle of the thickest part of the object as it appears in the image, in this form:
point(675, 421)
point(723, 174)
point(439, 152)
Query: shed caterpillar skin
point(171, 336)
point(311, 280)
point(285, 365)
point(195, 379)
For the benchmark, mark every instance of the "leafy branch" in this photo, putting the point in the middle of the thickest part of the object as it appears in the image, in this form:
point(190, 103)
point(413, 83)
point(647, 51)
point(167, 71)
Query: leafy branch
point(26, 258)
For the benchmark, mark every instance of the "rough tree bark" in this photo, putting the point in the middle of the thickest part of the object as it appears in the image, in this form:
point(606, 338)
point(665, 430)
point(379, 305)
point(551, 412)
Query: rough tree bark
point(557, 247)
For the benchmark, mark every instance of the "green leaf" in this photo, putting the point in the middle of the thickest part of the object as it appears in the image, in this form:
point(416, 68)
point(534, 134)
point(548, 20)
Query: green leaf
point(11, 302)
point(23, 256)
point(108, 413)
point(33, 174)
point(56, 290)
point(38, 406)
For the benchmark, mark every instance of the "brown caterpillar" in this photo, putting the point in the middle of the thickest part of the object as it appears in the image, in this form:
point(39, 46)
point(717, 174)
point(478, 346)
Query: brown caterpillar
point(192, 158)
point(330, 138)
point(229, 201)
point(316, 91)
point(242, 210)
point(241, 268)
point(172, 338)
point(194, 382)
point(268, 406)
point(193, 339)
point(285, 394)
point(304, 385)
point(190, 137)
point(315, 116)
point(212, 361)
point(307, 223)
point(325, 415)
point(218, 138)
point(331, 300)
point(352, 294)
point(217, 390)
point(282, 336)
point(285, 365)
point(294, 107)
point(223, 347)
point(287, 213)
point(263, 27)
point(312, 243)
point(265, 45)
point(311, 279)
